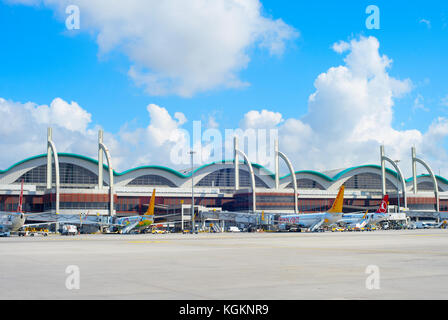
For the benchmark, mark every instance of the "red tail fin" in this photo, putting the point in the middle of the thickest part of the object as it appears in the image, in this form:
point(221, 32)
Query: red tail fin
point(383, 205)
point(19, 207)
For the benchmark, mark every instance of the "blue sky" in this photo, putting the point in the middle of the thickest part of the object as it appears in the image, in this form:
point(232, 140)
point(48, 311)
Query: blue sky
point(41, 60)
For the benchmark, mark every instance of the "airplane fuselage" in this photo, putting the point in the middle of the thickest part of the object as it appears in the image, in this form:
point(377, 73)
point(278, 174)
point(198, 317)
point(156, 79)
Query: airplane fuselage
point(307, 220)
point(358, 217)
point(10, 222)
point(142, 221)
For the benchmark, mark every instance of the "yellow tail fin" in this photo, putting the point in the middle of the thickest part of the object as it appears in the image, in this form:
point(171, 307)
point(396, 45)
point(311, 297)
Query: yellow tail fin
point(365, 215)
point(338, 202)
point(152, 202)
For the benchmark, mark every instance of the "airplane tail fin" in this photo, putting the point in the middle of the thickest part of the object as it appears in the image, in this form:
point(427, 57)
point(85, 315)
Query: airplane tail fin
point(338, 202)
point(20, 206)
point(365, 214)
point(152, 202)
point(383, 205)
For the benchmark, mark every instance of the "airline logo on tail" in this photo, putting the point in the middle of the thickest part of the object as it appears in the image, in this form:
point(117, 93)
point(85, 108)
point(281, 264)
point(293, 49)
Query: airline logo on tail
point(338, 202)
point(365, 214)
point(152, 202)
point(20, 206)
point(383, 205)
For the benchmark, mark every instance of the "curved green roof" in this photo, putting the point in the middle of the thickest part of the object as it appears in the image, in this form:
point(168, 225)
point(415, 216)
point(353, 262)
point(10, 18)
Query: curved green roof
point(170, 170)
point(177, 173)
point(316, 173)
point(73, 155)
point(375, 166)
point(181, 175)
point(341, 173)
point(442, 179)
point(184, 176)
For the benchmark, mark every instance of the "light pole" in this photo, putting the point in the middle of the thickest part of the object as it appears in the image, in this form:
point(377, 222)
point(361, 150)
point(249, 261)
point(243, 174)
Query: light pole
point(192, 193)
point(398, 191)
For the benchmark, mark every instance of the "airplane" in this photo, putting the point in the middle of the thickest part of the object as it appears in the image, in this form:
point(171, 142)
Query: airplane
point(443, 224)
point(138, 223)
point(14, 221)
point(358, 220)
point(314, 221)
point(126, 224)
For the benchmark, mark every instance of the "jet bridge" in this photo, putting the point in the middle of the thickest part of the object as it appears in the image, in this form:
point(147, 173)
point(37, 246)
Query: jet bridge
point(239, 217)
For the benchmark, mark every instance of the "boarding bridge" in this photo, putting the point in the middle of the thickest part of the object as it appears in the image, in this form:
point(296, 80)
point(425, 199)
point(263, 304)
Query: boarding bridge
point(317, 225)
point(423, 214)
point(216, 228)
point(397, 216)
point(129, 227)
point(239, 217)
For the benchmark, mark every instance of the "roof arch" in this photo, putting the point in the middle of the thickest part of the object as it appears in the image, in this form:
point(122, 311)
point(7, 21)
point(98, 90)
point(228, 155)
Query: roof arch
point(151, 180)
point(181, 179)
point(306, 183)
point(70, 174)
point(426, 178)
point(225, 178)
point(360, 175)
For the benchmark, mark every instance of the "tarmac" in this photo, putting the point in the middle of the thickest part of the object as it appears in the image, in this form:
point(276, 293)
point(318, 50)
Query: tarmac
point(404, 264)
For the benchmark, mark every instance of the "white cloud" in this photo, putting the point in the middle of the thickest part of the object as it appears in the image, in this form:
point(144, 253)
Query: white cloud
point(427, 22)
point(23, 129)
point(23, 134)
point(341, 46)
point(265, 119)
point(350, 115)
point(180, 47)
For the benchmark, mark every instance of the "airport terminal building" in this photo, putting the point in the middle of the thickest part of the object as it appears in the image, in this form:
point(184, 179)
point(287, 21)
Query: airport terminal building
point(74, 184)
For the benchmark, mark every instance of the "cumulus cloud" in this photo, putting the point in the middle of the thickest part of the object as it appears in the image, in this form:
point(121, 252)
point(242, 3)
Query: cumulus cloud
point(23, 134)
point(341, 46)
point(153, 144)
point(263, 119)
point(23, 129)
point(350, 115)
point(176, 46)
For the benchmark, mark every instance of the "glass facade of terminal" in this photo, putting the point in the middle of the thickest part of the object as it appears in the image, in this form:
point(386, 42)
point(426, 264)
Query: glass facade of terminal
point(315, 199)
point(225, 178)
point(368, 181)
point(307, 184)
point(151, 180)
point(71, 176)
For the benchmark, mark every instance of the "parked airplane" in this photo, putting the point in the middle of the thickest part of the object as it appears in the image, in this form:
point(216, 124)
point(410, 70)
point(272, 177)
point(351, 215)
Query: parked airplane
point(14, 221)
point(314, 221)
point(126, 224)
point(359, 220)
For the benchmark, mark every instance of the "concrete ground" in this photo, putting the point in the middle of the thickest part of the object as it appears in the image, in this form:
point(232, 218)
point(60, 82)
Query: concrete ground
point(409, 264)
